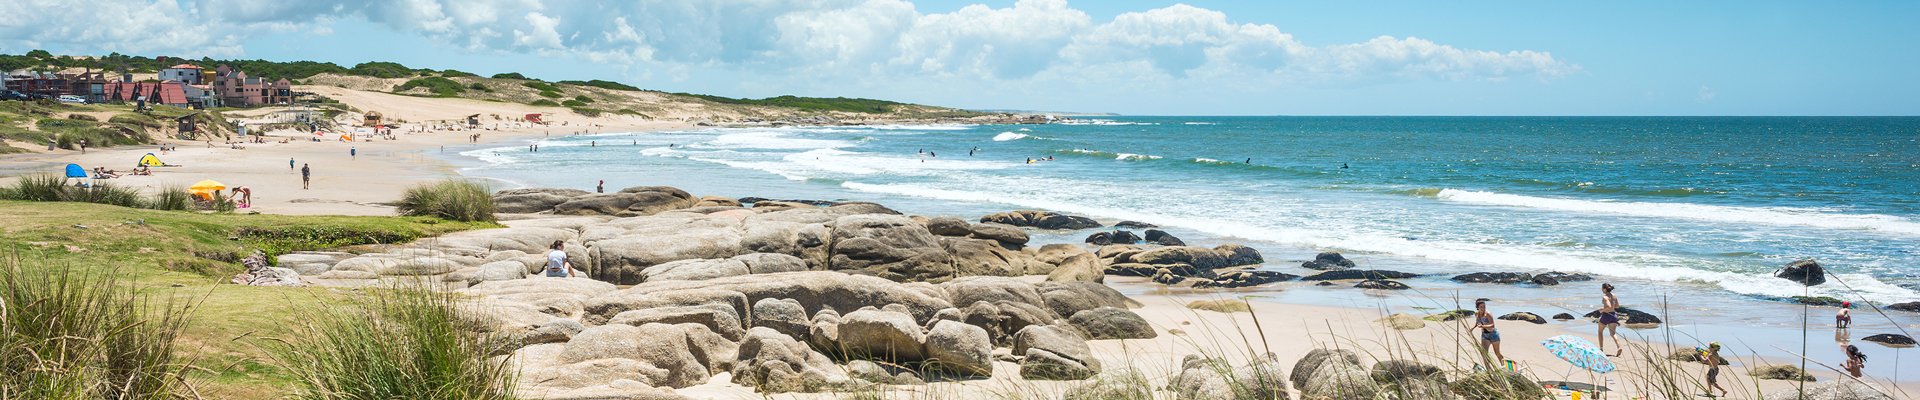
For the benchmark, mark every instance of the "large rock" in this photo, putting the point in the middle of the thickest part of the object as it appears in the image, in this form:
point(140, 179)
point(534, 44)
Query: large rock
point(1890, 339)
point(1912, 306)
point(968, 290)
point(530, 240)
point(889, 246)
point(806, 236)
point(686, 352)
point(1199, 257)
point(1328, 261)
point(1206, 378)
point(1524, 316)
point(1629, 316)
point(1068, 298)
point(1084, 267)
point(703, 269)
point(1125, 384)
point(1494, 277)
point(859, 207)
point(980, 257)
point(947, 226)
point(1238, 255)
point(1381, 284)
point(882, 335)
point(1390, 371)
point(1054, 353)
point(1840, 389)
point(1358, 274)
point(1042, 220)
point(589, 373)
point(1805, 272)
point(529, 201)
point(716, 201)
point(1001, 232)
point(772, 362)
point(814, 290)
point(621, 260)
point(1304, 369)
point(505, 270)
point(1163, 238)
point(717, 317)
point(1244, 278)
point(629, 202)
point(1112, 323)
point(1337, 379)
point(786, 316)
point(1780, 372)
point(960, 348)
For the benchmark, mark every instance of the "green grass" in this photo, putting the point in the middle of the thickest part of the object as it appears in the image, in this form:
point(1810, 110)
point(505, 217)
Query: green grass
point(544, 103)
point(603, 85)
point(583, 99)
point(407, 343)
point(451, 199)
point(551, 94)
point(438, 86)
point(810, 104)
point(74, 332)
point(573, 103)
point(541, 86)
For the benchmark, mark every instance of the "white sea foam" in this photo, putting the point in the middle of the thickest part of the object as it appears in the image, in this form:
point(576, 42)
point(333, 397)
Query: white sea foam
point(1205, 160)
point(494, 156)
point(768, 139)
point(1134, 157)
point(1751, 215)
point(1201, 123)
point(1518, 256)
point(1006, 136)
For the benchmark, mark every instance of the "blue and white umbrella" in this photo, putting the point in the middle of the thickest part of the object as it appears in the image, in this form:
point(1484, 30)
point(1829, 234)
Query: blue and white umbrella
point(1578, 351)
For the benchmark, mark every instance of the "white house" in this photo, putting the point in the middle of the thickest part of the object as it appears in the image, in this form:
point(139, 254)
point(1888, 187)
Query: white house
point(184, 73)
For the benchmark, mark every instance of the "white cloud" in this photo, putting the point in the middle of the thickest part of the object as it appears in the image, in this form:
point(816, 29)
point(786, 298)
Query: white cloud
point(865, 41)
point(1706, 94)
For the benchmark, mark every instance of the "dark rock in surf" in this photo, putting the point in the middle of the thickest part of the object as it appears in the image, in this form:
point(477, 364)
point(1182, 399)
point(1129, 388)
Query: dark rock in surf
point(1382, 284)
point(1042, 220)
point(1328, 261)
point(1324, 283)
point(1524, 316)
point(1629, 316)
point(1804, 272)
point(1890, 339)
point(1494, 277)
point(1358, 274)
point(1125, 237)
point(1100, 238)
point(1563, 277)
point(1238, 255)
point(1563, 317)
point(1237, 279)
point(1162, 238)
point(1913, 306)
point(1134, 225)
point(1544, 280)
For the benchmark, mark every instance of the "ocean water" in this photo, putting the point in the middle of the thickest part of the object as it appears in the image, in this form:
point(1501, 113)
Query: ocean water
point(1704, 206)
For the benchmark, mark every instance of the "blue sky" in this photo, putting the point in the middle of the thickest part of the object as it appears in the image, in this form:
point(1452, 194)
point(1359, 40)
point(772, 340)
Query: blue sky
point(1129, 56)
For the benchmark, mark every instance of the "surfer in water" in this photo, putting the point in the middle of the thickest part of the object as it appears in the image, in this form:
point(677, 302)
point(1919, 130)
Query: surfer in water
point(1249, 161)
point(1343, 165)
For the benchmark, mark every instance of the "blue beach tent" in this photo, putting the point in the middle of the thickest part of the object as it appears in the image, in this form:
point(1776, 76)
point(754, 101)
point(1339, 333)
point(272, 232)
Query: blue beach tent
point(74, 171)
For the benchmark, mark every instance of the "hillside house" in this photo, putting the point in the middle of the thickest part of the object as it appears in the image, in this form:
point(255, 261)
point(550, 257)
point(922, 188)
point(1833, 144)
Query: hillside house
point(236, 89)
point(172, 93)
point(184, 73)
point(88, 85)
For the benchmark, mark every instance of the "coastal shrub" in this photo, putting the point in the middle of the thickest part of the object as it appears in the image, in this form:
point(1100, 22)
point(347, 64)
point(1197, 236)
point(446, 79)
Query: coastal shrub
point(452, 199)
point(80, 333)
point(406, 343)
point(603, 85)
point(171, 198)
point(381, 70)
point(587, 111)
point(83, 117)
point(544, 102)
point(550, 95)
point(573, 103)
point(480, 87)
point(541, 86)
point(439, 86)
point(103, 193)
point(135, 120)
point(455, 74)
point(509, 75)
point(37, 187)
point(583, 99)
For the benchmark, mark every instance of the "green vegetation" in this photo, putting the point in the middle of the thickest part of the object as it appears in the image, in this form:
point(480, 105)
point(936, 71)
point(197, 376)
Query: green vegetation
point(74, 332)
point(586, 111)
point(603, 85)
point(455, 74)
point(810, 104)
point(510, 75)
point(53, 187)
point(440, 87)
point(550, 95)
point(480, 87)
point(382, 70)
point(541, 86)
point(451, 199)
point(544, 102)
point(573, 103)
point(583, 99)
point(409, 343)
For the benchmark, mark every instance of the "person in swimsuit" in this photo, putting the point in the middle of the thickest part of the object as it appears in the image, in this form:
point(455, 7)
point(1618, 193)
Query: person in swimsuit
point(1489, 336)
point(1609, 320)
point(1845, 316)
point(1855, 361)
point(1712, 359)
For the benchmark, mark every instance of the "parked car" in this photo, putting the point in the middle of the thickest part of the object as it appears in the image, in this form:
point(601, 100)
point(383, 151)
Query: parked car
point(12, 95)
point(68, 98)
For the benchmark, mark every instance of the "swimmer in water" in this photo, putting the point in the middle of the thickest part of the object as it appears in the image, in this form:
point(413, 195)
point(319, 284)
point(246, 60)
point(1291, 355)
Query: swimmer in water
point(1343, 165)
point(1249, 161)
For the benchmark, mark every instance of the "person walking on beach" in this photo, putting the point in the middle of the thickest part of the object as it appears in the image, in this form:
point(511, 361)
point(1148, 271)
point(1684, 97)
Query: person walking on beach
point(306, 175)
point(1489, 336)
point(1609, 320)
point(353, 152)
point(557, 265)
point(289, 163)
point(1712, 359)
point(1855, 361)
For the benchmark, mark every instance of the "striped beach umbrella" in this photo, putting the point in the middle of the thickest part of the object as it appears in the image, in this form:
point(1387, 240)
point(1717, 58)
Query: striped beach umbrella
point(1578, 351)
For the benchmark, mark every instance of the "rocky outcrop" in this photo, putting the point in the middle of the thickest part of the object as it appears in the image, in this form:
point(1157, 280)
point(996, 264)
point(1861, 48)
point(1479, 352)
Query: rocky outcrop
point(1112, 238)
point(1524, 316)
point(1628, 316)
point(1083, 267)
point(684, 354)
point(1381, 284)
point(530, 201)
point(1162, 238)
point(1200, 258)
point(1308, 364)
point(1780, 372)
point(1112, 323)
point(786, 316)
point(1209, 378)
point(1054, 353)
point(1493, 277)
point(1358, 274)
point(1328, 261)
point(963, 349)
point(889, 246)
point(1805, 272)
point(1912, 306)
point(716, 201)
point(882, 335)
point(1003, 233)
point(629, 202)
point(1042, 220)
point(1338, 378)
point(260, 274)
point(1238, 255)
point(1890, 339)
point(703, 269)
point(981, 257)
point(1244, 278)
point(1390, 371)
point(773, 362)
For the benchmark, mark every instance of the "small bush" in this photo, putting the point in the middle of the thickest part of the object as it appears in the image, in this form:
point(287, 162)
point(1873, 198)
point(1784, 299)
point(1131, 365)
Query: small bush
point(135, 120)
point(407, 343)
point(439, 86)
point(452, 199)
point(510, 75)
point(541, 86)
point(38, 187)
point(544, 102)
point(83, 117)
point(171, 198)
point(583, 99)
point(550, 95)
point(103, 193)
point(587, 111)
point(604, 85)
point(480, 87)
point(573, 103)
point(455, 74)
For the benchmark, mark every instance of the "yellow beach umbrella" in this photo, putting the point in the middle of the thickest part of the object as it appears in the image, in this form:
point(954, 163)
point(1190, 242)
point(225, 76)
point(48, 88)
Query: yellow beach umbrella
point(208, 185)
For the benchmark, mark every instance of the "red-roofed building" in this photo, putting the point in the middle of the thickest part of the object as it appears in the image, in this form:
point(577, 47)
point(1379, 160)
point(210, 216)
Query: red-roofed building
point(171, 93)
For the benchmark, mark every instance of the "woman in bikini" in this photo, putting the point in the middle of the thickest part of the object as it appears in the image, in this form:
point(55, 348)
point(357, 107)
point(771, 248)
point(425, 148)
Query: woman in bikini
point(1609, 320)
point(1489, 336)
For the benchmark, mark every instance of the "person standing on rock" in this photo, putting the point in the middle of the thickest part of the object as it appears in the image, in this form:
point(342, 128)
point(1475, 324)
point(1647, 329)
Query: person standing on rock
point(1489, 336)
point(1609, 320)
point(600, 188)
point(557, 265)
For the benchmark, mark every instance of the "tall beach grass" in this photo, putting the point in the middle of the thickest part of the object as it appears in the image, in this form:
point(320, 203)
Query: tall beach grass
point(68, 332)
point(452, 199)
point(404, 343)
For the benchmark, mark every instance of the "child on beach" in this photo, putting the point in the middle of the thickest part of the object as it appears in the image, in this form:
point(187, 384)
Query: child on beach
point(1609, 320)
point(1712, 359)
point(1855, 361)
point(1489, 336)
point(1845, 316)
